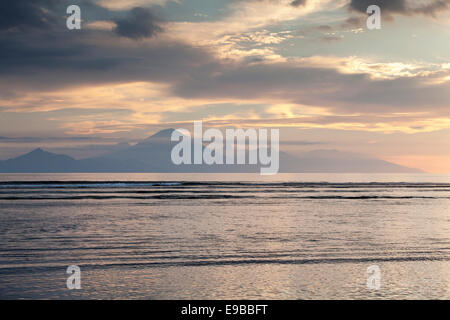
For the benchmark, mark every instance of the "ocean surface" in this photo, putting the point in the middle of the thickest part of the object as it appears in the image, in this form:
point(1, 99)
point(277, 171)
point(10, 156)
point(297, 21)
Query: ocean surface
point(212, 236)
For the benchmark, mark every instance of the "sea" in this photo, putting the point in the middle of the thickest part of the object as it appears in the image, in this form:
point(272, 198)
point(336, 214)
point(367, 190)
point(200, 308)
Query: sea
point(225, 236)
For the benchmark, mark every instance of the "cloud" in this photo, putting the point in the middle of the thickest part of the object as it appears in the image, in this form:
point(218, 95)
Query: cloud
point(41, 139)
point(293, 3)
point(140, 23)
point(297, 3)
point(25, 14)
point(128, 4)
point(98, 58)
point(353, 22)
point(339, 85)
point(301, 143)
point(38, 67)
point(404, 7)
point(245, 16)
point(93, 57)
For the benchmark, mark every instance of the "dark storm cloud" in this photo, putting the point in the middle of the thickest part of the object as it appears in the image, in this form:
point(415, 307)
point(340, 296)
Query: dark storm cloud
point(404, 7)
point(32, 15)
point(270, 81)
point(51, 59)
point(39, 57)
point(64, 59)
point(140, 23)
point(398, 6)
point(320, 86)
point(27, 14)
point(397, 94)
point(435, 7)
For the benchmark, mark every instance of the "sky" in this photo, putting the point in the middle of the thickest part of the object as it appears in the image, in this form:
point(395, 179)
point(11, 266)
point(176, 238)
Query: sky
point(308, 67)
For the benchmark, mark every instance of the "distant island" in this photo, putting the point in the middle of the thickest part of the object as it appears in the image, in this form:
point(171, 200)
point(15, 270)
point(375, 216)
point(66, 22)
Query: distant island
point(153, 155)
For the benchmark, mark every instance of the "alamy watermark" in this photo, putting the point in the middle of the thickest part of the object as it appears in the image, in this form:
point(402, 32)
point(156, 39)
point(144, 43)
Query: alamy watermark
point(213, 153)
point(74, 280)
point(374, 19)
point(74, 20)
point(374, 279)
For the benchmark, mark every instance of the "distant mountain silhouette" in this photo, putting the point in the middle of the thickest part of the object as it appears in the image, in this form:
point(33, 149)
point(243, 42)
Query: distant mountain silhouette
point(346, 162)
point(39, 161)
point(154, 155)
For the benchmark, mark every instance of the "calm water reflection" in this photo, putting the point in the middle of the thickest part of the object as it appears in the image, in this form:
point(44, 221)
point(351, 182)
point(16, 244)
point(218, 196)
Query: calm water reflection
point(154, 237)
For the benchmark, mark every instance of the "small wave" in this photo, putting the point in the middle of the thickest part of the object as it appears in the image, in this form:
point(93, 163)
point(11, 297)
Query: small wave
point(213, 196)
point(222, 262)
point(109, 197)
point(126, 184)
point(82, 184)
point(368, 197)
